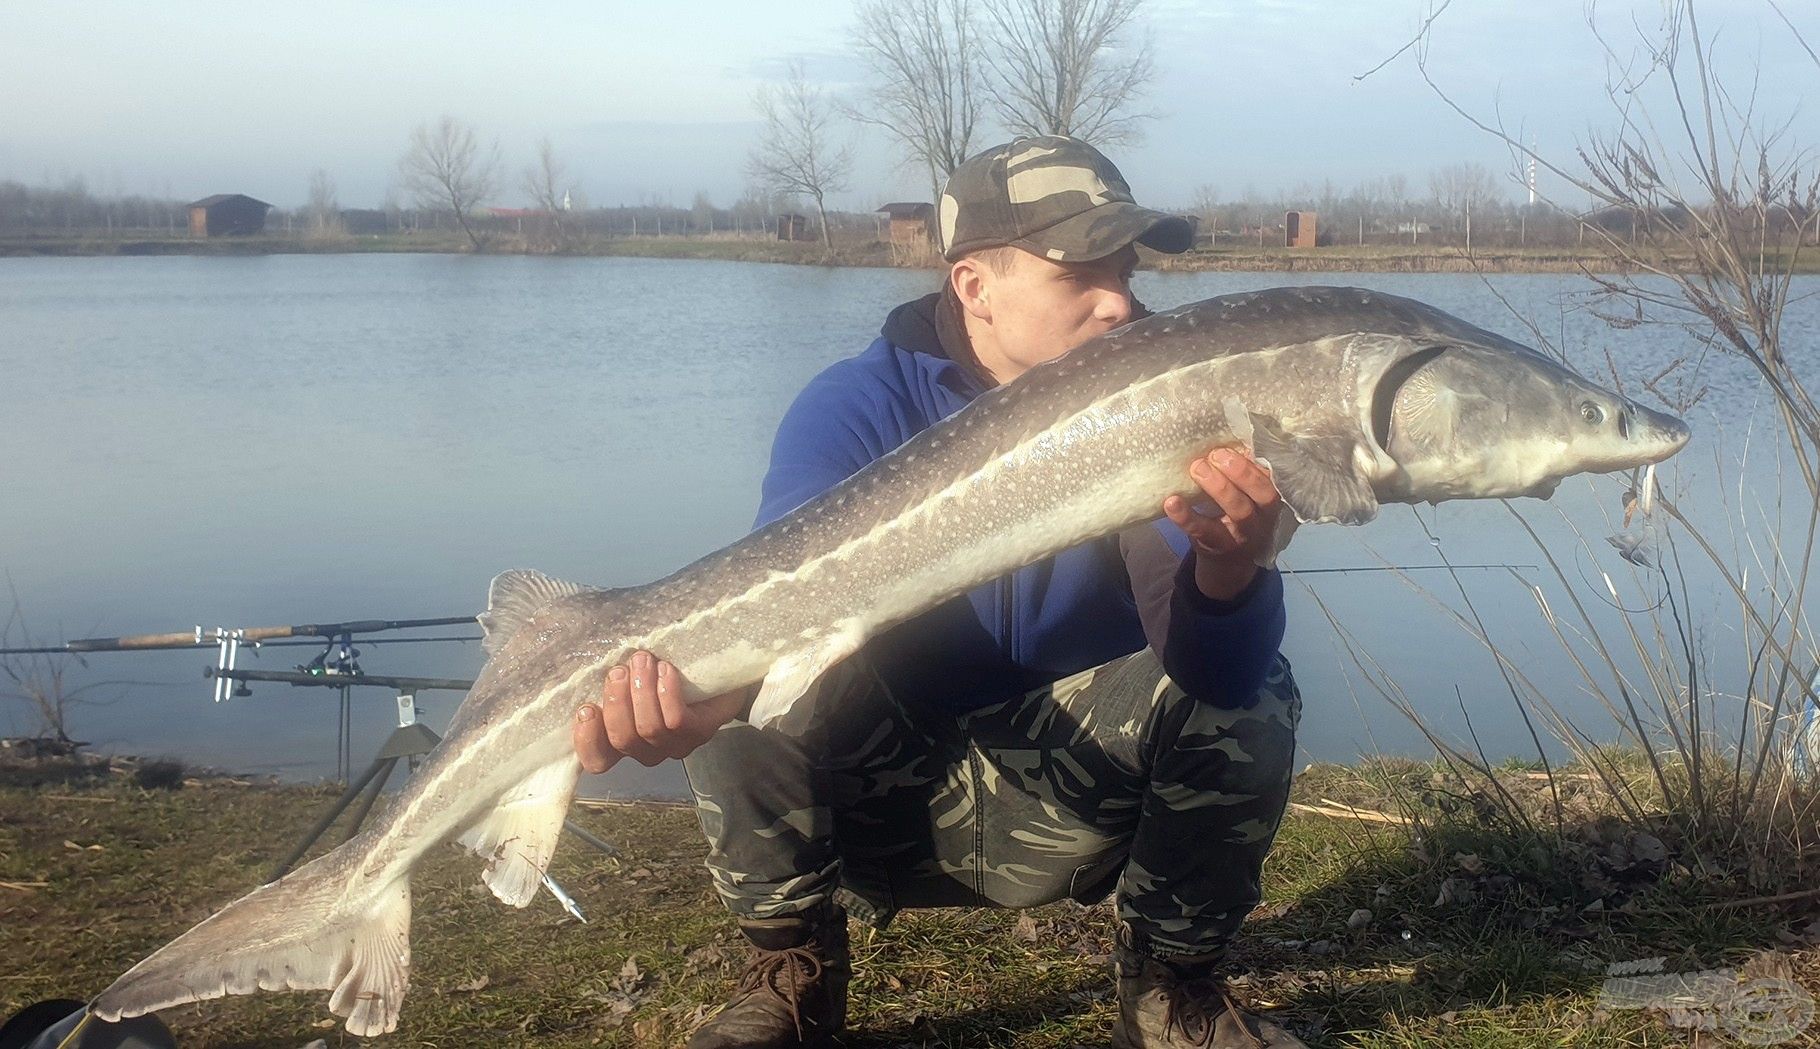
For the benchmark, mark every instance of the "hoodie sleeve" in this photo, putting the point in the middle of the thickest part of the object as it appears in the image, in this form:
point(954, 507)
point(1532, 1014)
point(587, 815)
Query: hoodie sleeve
point(834, 428)
point(1217, 651)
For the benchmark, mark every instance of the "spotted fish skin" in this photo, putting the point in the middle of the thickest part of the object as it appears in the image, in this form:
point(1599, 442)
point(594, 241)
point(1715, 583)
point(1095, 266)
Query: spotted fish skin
point(1312, 379)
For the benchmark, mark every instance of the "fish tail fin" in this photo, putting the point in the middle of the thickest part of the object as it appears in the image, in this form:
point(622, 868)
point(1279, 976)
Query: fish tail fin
point(295, 933)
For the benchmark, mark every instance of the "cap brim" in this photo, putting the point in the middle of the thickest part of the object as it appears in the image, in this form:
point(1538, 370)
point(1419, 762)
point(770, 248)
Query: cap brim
point(1108, 228)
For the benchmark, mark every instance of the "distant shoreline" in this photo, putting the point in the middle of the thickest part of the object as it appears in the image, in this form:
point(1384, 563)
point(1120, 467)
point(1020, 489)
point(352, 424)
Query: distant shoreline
point(1374, 258)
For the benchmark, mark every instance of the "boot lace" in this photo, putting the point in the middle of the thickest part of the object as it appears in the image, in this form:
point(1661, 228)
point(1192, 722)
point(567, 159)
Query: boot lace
point(786, 975)
point(1185, 1006)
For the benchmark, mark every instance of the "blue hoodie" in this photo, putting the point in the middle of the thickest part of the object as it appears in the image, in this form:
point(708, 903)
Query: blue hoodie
point(1083, 607)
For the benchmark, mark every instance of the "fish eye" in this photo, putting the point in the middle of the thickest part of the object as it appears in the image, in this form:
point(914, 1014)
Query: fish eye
point(1592, 413)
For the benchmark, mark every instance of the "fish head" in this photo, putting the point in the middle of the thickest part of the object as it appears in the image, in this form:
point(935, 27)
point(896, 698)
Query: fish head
point(1464, 421)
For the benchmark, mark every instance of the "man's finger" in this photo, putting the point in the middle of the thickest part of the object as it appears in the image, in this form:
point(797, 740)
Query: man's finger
point(1235, 501)
point(1183, 514)
point(590, 739)
point(1211, 534)
point(670, 700)
point(647, 716)
point(721, 709)
point(616, 717)
point(1246, 473)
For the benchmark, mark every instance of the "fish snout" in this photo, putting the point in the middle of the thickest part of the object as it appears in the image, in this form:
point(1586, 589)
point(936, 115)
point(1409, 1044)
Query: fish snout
point(1655, 435)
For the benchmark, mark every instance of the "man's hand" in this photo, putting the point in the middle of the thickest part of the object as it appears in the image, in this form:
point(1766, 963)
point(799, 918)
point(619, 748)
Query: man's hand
point(642, 716)
point(1231, 536)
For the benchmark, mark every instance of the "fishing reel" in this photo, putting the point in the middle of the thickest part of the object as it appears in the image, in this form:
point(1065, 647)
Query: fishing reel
point(339, 658)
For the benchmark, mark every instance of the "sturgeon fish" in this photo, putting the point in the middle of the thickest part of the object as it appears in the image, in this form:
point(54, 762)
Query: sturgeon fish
point(1355, 398)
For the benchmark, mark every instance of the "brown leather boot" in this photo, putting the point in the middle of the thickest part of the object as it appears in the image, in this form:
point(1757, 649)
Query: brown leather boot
point(1165, 1006)
point(793, 993)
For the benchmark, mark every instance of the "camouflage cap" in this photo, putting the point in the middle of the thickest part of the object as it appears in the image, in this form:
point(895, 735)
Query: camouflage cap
point(1055, 197)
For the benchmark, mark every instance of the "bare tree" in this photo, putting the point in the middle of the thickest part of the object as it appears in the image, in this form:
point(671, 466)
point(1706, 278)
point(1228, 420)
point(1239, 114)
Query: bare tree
point(701, 213)
point(323, 211)
point(756, 205)
point(1062, 67)
point(39, 680)
point(1207, 209)
point(445, 167)
point(552, 192)
point(1461, 190)
point(796, 154)
point(925, 57)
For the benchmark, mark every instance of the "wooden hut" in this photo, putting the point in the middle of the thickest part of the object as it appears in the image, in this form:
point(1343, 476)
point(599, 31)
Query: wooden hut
point(794, 227)
point(912, 224)
point(225, 214)
point(1298, 229)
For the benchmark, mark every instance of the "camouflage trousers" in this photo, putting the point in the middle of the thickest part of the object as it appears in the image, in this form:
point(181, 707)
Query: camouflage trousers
point(1111, 778)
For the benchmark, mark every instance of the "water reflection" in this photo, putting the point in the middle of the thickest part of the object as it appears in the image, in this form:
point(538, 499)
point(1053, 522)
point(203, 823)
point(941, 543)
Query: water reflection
point(245, 441)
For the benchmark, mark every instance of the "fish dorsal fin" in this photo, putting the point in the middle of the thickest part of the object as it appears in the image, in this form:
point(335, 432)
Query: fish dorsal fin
point(1318, 475)
point(511, 599)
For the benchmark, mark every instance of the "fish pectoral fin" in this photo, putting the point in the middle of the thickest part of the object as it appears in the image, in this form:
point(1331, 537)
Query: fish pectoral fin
point(1317, 474)
point(791, 677)
point(519, 836)
point(1286, 526)
point(511, 599)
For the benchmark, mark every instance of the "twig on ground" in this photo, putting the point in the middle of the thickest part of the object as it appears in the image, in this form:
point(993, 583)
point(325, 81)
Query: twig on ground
point(1329, 807)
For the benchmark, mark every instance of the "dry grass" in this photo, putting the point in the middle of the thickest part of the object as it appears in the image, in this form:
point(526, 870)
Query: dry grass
point(1474, 937)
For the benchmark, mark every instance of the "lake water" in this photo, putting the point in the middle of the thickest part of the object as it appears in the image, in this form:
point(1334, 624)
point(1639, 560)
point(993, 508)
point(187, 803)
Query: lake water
point(285, 439)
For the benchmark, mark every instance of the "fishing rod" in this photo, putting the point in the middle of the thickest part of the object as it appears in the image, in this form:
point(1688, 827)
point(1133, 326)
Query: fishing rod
point(199, 636)
point(228, 642)
point(1398, 568)
point(262, 637)
point(57, 650)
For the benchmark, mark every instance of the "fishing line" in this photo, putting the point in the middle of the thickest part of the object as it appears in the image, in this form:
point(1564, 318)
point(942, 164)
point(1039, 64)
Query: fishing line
point(1609, 595)
point(69, 1040)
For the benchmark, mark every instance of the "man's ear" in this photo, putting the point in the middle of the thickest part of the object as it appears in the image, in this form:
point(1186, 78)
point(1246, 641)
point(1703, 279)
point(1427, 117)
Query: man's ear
point(971, 279)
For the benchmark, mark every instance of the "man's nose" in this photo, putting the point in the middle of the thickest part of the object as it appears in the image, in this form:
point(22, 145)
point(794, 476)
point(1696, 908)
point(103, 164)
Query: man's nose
point(1114, 307)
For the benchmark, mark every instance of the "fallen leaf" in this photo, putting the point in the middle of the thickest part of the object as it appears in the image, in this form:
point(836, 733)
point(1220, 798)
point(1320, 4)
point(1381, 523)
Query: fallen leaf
point(1449, 892)
point(476, 984)
point(1026, 928)
point(630, 976)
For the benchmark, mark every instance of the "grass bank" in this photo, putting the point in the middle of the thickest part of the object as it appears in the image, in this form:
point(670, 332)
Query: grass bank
point(854, 251)
point(1369, 936)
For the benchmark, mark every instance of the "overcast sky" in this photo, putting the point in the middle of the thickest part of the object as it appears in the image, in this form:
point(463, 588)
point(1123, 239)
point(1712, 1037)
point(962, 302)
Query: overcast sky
point(184, 98)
